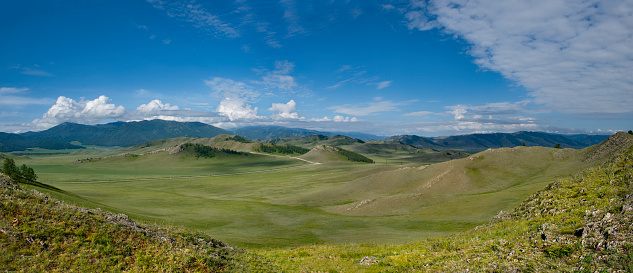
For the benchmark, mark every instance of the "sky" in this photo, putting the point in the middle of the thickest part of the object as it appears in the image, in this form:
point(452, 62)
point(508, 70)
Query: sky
point(391, 67)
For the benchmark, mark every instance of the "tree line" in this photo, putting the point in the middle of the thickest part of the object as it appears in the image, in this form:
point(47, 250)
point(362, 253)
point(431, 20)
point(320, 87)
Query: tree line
point(281, 149)
point(22, 174)
point(352, 156)
point(208, 151)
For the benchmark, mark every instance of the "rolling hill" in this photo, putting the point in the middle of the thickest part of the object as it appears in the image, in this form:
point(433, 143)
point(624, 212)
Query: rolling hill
point(570, 223)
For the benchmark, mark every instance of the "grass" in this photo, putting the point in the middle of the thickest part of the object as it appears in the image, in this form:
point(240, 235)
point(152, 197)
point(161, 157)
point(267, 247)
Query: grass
point(95, 167)
point(346, 217)
point(40, 234)
point(269, 205)
point(534, 237)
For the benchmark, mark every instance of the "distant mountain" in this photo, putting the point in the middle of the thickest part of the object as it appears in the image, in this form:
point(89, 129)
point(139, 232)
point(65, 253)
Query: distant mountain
point(273, 132)
point(125, 133)
point(588, 140)
point(132, 133)
point(498, 140)
point(15, 142)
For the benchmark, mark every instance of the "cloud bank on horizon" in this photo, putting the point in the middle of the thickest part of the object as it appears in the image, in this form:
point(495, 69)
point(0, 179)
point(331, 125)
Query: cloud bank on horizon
point(564, 66)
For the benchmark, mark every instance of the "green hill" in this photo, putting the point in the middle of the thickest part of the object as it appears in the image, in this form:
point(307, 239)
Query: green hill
point(314, 140)
point(323, 153)
point(41, 234)
point(580, 223)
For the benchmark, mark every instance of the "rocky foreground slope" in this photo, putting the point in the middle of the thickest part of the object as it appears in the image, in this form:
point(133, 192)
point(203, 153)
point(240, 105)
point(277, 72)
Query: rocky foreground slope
point(41, 234)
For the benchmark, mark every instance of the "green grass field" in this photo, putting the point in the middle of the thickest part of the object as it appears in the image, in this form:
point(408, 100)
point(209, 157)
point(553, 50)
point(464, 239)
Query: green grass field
point(272, 201)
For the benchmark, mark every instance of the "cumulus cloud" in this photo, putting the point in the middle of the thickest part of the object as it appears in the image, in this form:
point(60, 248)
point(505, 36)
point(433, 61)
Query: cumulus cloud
point(235, 97)
point(574, 56)
point(87, 112)
point(337, 118)
point(155, 106)
point(156, 109)
point(284, 110)
point(279, 77)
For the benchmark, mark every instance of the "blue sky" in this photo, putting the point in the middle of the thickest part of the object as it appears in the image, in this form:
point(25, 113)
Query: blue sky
point(430, 68)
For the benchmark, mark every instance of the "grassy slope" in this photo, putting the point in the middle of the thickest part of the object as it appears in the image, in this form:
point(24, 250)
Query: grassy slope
point(596, 205)
point(536, 236)
point(334, 202)
point(40, 234)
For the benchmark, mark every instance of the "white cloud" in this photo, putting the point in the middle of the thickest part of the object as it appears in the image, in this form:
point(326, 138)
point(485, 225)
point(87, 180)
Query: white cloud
point(292, 18)
point(197, 15)
point(574, 56)
point(33, 70)
point(338, 118)
point(9, 97)
point(279, 77)
point(235, 97)
point(368, 109)
point(383, 84)
point(419, 114)
point(12, 90)
point(458, 111)
point(69, 110)
point(284, 110)
point(155, 106)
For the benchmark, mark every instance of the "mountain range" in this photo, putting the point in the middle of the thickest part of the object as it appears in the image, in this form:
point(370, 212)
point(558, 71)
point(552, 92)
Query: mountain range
point(124, 134)
point(499, 140)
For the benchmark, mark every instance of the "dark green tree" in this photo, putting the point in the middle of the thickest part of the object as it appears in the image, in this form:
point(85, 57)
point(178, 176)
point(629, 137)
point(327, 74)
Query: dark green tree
point(9, 168)
point(630, 132)
point(21, 174)
point(557, 146)
point(27, 173)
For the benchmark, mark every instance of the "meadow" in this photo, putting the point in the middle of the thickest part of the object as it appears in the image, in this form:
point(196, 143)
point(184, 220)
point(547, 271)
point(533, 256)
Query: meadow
point(266, 201)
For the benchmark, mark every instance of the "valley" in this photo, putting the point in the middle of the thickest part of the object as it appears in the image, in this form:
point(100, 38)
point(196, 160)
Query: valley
point(264, 200)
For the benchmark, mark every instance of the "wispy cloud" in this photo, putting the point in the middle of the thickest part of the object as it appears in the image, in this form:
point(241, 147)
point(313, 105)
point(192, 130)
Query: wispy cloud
point(419, 114)
point(574, 56)
point(197, 15)
point(292, 18)
point(366, 108)
point(355, 74)
point(383, 84)
point(33, 70)
point(12, 96)
point(279, 77)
